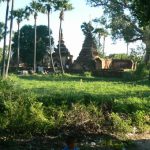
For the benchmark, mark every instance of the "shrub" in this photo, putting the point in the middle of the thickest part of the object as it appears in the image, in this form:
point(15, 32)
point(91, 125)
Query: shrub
point(141, 71)
point(120, 125)
point(140, 119)
point(77, 115)
point(20, 112)
point(87, 74)
point(128, 75)
point(131, 104)
point(96, 113)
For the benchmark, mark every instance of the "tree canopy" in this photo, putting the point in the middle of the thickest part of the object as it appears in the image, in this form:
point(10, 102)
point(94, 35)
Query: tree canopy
point(27, 43)
point(118, 17)
point(141, 9)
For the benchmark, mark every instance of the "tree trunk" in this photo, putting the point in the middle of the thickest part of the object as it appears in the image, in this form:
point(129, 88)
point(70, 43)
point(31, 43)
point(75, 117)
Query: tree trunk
point(18, 49)
point(99, 40)
point(34, 63)
point(4, 46)
point(147, 55)
point(50, 45)
point(127, 48)
point(104, 45)
point(62, 68)
point(10, 38)
point(146, 40)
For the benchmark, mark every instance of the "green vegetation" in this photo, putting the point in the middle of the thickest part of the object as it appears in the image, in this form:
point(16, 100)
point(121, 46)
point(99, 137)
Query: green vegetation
point(55, 104)
point(37, 104)
point(27, 45)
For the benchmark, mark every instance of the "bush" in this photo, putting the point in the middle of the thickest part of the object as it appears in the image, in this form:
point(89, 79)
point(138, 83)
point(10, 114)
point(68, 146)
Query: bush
point(140, 119)
point(141, 71)
point(128, 75)
point(20, 112)
point(131, 105)
point(120, 125)
point(87, 74)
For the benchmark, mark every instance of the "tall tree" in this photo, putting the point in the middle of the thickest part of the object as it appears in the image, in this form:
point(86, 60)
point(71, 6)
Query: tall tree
point(4, 46)
point(27, 44)
point(63, 5)
point(61, 17)
point(57, 5)
point(10, 38)
point(19, 15)
point(102, 33)
point(141, 9)
point(121, 22)
point(49, 27)
point(34, 8)
point(49, 4)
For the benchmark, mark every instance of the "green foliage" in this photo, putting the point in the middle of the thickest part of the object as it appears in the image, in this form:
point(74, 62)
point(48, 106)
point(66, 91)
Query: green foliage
point(87, 74)
point(119, 124)
point(140, 120)
point(137, 54)
point(27, 43)
point(132, 104)
point(39, 104)
point(1, 30)
point(141, 10)
point(118, 17)
point(1, 51)
point(128, 75)
point(77, 115)
point(20, 112)
point(119, 56)
point(142, 71)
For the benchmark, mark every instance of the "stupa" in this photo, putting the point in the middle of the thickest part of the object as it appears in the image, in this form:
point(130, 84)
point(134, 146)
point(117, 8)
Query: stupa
point(65, 55)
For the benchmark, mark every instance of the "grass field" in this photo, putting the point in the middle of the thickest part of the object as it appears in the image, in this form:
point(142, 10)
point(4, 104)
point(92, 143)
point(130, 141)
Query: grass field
point(41, 104)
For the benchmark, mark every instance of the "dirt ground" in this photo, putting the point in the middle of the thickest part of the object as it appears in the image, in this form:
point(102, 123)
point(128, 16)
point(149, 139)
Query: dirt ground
point(142, 141)
point(88, 142)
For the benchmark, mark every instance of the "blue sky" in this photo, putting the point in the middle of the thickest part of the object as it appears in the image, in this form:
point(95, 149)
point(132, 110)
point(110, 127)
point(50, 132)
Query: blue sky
point(73, 35)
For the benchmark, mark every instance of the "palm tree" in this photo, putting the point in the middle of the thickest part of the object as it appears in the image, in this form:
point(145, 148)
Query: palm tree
point(127, 48)
point(63, 6)
point(101, 32)
point(34, 8)
point(19, 15)
point(104, 34)
point(10, 38)
point(4, 46)
point(48, 6)
point(50, 45)
point(35, 37)
point(61, 17)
